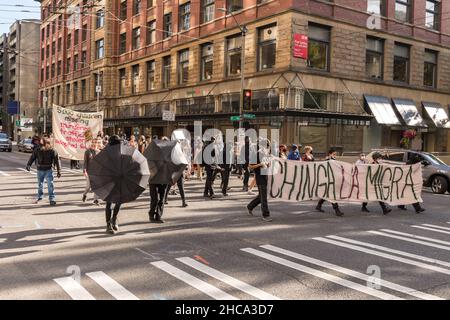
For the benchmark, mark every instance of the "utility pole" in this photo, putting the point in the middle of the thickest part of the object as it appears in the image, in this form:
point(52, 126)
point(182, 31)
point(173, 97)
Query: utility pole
point(98, 89)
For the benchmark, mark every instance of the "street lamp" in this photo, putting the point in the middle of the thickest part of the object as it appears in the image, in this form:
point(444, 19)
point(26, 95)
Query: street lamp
point(244, 31)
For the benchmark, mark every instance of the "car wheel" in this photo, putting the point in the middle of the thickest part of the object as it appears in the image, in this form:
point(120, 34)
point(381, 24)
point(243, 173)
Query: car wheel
point(439, 185)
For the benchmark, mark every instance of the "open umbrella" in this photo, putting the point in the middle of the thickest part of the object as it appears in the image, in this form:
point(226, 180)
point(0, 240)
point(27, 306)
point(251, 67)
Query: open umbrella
point(118, 174)
point(166, 161)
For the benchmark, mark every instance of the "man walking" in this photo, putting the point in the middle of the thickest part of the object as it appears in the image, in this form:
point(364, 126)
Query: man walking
point(89, 154)
point(46, 157)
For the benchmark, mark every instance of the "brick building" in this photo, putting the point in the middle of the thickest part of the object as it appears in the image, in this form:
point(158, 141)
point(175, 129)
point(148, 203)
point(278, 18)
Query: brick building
point(372, 69)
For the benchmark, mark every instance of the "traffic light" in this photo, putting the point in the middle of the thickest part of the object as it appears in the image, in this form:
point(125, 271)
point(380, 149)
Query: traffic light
point(247, 99)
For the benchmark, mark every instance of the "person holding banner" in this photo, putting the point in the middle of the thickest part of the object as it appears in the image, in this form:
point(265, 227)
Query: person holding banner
point(308, 156)
point(413, 160)
point(88, 156)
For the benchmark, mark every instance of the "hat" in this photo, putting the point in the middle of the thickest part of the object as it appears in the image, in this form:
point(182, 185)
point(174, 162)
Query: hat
point(294, 146)
point(114, 139)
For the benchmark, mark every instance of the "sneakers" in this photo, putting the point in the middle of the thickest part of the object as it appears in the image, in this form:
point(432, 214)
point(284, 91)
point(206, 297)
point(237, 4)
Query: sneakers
point(109, 229)
point(319, 208)
point(250, 192)
point(84, 198)
point(420, 210)
point(338, 212)
point(96, 202)
point(249, 212)
point(267, 219)
point(53, 203)
point(37, 201)
point(225, 194)
point(184, 205)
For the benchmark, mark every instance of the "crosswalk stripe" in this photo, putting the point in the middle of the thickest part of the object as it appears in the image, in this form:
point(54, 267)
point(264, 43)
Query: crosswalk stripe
point(431, 229)
point(74, 289)
point(323, 275)
point(355, 274)
point(240, 285)
point(435, 226)
point(32, 172)
point(416, 236)
point(384, 255)
point(112, 286)
point(401, 253)
point(198, 284)
point(4, 174)
point(434, 245)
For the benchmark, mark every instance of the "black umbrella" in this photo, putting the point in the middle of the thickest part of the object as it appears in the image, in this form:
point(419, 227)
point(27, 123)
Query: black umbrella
point(166, 161)
point(118, 174)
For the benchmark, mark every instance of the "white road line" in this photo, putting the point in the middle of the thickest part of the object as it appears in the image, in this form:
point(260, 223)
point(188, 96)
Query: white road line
point(4, 174)
point(38, 226)
point(431, 229)
point(434, 245)
point(323, 275)
point(385, 255)
point(112, 286)
point(32, 172)
point(198, 284)
point(401, 253)
point(355, 274)
point(435, 226)
point(74, 289)
point(416, 236)
point(238, 284)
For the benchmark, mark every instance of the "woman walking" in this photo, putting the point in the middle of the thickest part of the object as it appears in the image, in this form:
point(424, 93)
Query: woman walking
point(89, 154)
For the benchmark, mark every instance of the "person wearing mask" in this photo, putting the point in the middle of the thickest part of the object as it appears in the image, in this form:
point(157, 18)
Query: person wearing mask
point(294, 154)
point(376, 160)
point(362, 159)
point(415, 158)
point(283, 152)
point(261, 181)
point(89, 154)
point(308, 155)
point(46, 157)
point(331, 157)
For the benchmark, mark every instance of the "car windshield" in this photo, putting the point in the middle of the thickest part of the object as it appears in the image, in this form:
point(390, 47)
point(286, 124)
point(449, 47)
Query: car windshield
point(3, 136)
point(435, 160)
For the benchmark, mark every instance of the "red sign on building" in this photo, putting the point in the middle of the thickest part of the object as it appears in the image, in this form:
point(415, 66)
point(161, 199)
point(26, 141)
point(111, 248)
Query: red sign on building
point(300, 46)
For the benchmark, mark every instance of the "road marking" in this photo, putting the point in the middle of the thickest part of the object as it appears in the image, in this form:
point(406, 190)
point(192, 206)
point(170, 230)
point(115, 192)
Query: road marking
point(22, 169)
point(4, 174)
point(38, 226)
point(112, 286)
point(401, 253)
point(431, 229)
point(12, 226)
point(74, 289)
point(385, 255)
point(238, 284)
point(434, 245)
point(416, 237)
point(435, 226)
point(355, 274)
point(323, 275)
point(198, 284)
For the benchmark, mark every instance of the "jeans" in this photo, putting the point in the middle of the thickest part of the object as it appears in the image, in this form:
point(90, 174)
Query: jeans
point(261, 198)
point(45, 175)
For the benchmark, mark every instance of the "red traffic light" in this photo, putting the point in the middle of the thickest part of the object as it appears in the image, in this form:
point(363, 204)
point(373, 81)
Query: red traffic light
point(248, 93)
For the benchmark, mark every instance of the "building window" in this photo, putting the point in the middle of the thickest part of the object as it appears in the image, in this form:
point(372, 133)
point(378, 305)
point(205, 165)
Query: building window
point(123, 43)
point(376, 7)
point(234, 5)
point(84, 58)
point(75, 92)
point(135, 79)
point(315, 100)
point(151, 32)
point(432, 14)
point(185, 16)
point(401, 63)
point(150, 75)
point(267, 47)
point(75, 37)
point(233, 55)
point(183, 66)
point(403, 10)
point(47, 51)
point(166, 69)
point(68, 62)
point(53, 48)
point(100, 19)
point(83, 90)
point(67, 93)
point(99, 49)
point(53, 70)
point(75, 62)
point(136, 7)
point(123, 10)
point(84, 33)
point(167, 25)
point(122, 81)
point(69, 41)
point(59, 67)
point(207, 61)
point(430, 68)
point(207, 10)
point(136, 41)
point(374, 58)
point(319, 47)
point(59, 44)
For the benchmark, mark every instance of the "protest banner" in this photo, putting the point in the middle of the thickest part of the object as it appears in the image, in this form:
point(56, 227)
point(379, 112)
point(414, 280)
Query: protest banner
point(73, 130)
point(341, 182)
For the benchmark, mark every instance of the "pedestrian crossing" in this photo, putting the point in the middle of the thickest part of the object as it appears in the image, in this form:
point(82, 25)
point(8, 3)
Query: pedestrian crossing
point(15, 172)
point(213, 281)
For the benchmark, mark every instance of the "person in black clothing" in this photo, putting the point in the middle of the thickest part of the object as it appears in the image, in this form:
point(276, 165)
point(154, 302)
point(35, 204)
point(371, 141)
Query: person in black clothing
point(89, 154)
point(331, 157)
point(46, 157)
point(180, 185)
point(211, 170)
point(226, 167)
point(157, 197)
point(415, 158)
point(261, 181)
point(245, 151)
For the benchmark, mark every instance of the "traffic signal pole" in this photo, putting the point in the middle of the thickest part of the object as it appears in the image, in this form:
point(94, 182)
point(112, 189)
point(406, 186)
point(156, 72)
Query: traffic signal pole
point(241, 104)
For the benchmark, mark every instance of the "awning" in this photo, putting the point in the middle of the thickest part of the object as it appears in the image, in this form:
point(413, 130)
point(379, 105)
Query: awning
point(409, 112)
point(437, 114)
point(381, 108)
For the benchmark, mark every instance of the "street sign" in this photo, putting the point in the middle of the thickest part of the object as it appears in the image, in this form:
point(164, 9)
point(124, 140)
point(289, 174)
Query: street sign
point(98, 89)
point(249, 116)
point(276, 124)
point(235, 118)
point(13, 107)
point(168, 115)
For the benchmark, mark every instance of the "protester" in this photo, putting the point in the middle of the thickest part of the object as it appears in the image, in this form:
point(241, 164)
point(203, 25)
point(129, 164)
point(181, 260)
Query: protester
point(89, 154)
point(294, 154)
point(228, 152)
point(142, 144)
point(132, 142)
point(362, 159)
point(198, 149)
point(148, 140)
point(180, 185)
point(211, 170)
point(36, 142)
point(331, 157)
point(376, 158)
point(261, 181)
point(308, 155)
point(283, 152)
point(413, 160)
point(245, 153)
point(46, 157)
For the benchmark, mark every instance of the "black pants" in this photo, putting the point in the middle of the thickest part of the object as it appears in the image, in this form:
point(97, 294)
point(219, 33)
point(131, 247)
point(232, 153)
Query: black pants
point(261, 198)
point(246, 176)
point(180, 185)
point(157, 196)
point(111, 215)
point(321, 202)
point(225, 179)
point(382, 205)
point(210, 175)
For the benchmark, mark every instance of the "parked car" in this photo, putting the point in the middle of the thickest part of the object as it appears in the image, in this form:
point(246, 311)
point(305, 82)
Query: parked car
point(5, 142)
point(435, 173)
point(25, 145)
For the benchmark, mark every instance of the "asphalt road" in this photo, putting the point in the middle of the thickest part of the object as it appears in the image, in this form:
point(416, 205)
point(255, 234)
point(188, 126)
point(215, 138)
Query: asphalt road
point(212, 249)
